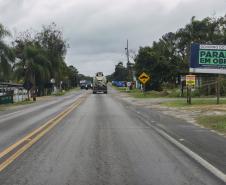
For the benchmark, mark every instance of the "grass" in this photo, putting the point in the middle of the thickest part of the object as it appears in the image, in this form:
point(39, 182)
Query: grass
point(194, 102)
point(215, 122)
point(62, 93)
point(23, 102)
point(74, 89)
point(171, 93)
point(136, 93)
point(4, 106)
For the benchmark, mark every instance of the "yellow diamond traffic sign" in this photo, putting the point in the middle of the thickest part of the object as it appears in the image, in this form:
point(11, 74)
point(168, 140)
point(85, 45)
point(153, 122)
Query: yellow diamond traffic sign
point(144, 78)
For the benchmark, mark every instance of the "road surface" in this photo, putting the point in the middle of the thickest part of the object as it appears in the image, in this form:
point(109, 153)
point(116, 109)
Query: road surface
point(99, 142)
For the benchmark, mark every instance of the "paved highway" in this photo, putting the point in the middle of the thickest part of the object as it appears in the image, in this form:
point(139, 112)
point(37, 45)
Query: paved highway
point(98, 141)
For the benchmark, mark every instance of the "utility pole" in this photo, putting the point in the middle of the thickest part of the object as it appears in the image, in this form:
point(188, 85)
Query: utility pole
point(129, 67)
point(127, 52)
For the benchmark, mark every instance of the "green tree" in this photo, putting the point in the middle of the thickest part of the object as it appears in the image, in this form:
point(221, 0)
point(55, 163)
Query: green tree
point(169, 56)
point(51, 39)
point(148, 60)
point(41, 57)
point(121, 73)
point(6, 55)
point(72, 76)
point(32, 66)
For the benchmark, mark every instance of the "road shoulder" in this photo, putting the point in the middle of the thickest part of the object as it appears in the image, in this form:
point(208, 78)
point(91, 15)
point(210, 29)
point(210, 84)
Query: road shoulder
point(205, 142)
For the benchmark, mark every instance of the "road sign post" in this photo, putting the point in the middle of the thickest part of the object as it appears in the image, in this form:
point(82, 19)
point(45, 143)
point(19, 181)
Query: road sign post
point(144, 78)
point(218, 89)
point(190, 83)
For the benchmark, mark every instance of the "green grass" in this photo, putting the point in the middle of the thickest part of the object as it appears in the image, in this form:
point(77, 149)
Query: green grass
point(217, 123)
point(194, 102)
point(23, 102)
point(150, 94)
point(74, 89)
point(171, 93)
point(136, 93)
point(62, 93)
point(5, 106)
point(59, 93)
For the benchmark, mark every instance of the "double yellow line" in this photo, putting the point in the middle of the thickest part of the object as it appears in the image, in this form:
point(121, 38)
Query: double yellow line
point(15, 150)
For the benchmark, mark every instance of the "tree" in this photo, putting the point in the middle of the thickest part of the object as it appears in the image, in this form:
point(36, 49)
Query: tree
point(169, 56)
point(72, 76)
point(40, 57)
point(6, 55)
point(148, 60)
point(51, 39)
point(33, 66)
point(121, 73)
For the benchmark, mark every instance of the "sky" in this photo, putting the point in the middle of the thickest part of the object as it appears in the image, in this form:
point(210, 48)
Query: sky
point(97, 30)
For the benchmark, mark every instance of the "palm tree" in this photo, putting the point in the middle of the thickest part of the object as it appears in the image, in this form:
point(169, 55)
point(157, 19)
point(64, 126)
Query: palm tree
point(33, 66)
point(6, 55)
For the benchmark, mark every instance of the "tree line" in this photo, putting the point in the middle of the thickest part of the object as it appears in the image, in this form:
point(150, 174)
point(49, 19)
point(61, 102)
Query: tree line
point(168, 57)
point(35, 58)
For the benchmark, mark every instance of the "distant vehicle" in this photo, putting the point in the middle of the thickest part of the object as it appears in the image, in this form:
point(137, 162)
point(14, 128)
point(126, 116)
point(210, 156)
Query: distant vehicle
point(99, 83)
point(119, 83)
point(82, 84)
point(85, 84)
point(89, 85)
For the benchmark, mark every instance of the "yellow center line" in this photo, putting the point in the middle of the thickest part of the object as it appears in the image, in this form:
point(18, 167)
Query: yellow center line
point(38, 133)
point(13, 146)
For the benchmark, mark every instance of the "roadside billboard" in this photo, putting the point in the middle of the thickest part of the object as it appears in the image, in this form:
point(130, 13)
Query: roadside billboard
point(208, 59)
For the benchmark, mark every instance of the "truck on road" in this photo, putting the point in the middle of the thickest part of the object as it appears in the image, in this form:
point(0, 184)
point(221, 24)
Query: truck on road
point(99, 83)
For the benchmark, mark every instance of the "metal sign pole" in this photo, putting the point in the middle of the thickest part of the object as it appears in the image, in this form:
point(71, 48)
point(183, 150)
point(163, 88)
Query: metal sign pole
point(190, 82)
point(144, 78)
point(189, 96)
point(144, 89)
point(218, 89)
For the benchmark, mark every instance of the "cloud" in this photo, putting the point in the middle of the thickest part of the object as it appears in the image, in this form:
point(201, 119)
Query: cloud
point(97, 29)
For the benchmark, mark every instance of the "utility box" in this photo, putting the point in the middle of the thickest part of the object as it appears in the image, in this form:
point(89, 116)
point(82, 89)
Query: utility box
point(5, 99)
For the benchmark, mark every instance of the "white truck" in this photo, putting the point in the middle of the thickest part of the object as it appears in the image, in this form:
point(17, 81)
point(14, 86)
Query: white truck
point(99, 83)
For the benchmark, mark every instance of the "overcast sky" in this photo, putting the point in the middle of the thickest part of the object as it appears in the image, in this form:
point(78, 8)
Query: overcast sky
point(96, 30)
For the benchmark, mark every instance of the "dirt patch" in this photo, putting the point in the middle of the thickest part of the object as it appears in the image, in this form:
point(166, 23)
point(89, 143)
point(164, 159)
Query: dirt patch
point(189, 114)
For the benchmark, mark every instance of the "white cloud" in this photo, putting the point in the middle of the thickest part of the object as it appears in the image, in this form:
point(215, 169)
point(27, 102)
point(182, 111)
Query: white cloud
point(97, 29)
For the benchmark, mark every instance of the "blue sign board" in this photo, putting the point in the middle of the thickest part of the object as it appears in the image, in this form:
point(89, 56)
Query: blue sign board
point(208, 59)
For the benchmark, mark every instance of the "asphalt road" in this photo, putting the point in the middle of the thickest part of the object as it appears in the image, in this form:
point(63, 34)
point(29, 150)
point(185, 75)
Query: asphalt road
point(15, 123)
point(101, 142)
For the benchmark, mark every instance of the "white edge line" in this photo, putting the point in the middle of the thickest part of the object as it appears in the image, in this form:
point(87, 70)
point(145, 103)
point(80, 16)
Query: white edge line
point(218, 173)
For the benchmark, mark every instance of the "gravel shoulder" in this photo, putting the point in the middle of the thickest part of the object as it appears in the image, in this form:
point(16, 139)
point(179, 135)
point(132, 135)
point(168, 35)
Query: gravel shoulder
point(189, 114)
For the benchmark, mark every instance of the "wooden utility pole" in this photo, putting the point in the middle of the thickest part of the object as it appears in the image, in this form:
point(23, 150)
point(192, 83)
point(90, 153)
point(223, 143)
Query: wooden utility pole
point(129, 67)
point(127, 52)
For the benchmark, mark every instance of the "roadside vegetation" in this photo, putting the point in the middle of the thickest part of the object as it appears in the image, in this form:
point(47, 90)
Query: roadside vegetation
point(167, 59)
point(36, 59)
point(195, 102)
point(14, 105)
point(214, 122)
point(137, 93)
point(63, 92)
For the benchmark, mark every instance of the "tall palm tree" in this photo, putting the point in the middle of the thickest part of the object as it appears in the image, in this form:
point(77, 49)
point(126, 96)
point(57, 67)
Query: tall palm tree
point(6, 55)
point(33, 66)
